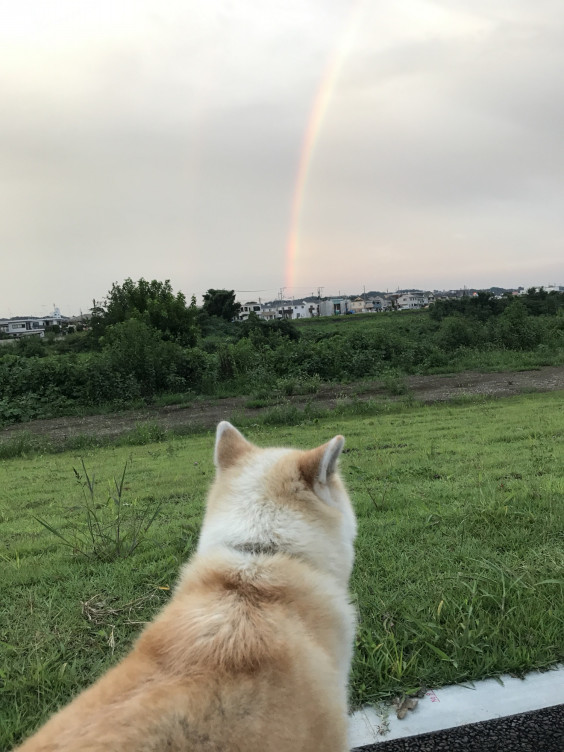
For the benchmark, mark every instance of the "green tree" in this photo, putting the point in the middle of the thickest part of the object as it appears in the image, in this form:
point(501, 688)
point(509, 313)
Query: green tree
point(455, 331)
point(515, 329)
point(154, 303)
point(221, 303)
point(138, 351)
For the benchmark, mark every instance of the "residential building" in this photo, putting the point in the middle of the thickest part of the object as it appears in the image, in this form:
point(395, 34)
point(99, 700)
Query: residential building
point(248, 308)
point(297, 310)
point(334, 307)
point(378, 304)
point(268, 313)
point(411, 300)
point(357, 305)
point(31, 325)
point(303, 310)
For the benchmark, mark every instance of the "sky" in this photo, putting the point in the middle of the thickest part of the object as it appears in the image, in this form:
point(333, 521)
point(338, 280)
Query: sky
point(278, 145)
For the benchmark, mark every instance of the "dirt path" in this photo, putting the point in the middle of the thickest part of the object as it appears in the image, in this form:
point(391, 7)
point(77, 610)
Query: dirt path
point(207, 413)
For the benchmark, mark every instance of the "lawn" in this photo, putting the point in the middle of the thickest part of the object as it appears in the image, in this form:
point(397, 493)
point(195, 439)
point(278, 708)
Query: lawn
point(460, 553)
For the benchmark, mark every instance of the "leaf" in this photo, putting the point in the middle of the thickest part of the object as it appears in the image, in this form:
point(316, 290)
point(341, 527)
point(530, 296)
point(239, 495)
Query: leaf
point(439, 652)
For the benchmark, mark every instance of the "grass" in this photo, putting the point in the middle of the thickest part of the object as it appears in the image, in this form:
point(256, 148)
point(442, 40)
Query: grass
point(460, 555)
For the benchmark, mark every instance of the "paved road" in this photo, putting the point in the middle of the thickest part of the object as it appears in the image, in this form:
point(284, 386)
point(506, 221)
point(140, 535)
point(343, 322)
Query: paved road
point(537, 731)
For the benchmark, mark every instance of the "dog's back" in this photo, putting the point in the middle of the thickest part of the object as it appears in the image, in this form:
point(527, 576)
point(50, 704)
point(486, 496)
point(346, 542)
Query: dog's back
point(254, 649)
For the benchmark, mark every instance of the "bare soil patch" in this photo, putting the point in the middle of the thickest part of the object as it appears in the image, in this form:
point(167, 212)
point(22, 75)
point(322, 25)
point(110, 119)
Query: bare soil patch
point(207, 413)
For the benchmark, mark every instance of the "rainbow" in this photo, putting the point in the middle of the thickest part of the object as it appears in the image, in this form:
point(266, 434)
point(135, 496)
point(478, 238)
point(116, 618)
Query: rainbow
point(317, 114)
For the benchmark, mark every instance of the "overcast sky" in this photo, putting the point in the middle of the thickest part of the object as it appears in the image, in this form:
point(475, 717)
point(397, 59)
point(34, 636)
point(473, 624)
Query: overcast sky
point(163, 140)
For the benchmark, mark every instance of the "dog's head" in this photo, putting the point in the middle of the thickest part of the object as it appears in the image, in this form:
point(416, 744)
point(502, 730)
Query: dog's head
point(280, 500)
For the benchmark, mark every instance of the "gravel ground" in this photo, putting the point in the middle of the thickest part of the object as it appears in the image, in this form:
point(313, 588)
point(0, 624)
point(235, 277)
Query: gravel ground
point(537, 731)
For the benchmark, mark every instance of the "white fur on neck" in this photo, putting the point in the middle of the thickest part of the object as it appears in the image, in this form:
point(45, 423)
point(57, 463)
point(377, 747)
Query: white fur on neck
point(246, 516)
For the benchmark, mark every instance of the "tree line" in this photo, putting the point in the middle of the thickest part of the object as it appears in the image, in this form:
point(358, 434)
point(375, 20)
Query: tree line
point(145, 340)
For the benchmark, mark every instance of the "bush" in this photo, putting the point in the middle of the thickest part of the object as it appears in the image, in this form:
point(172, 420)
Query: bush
point(30, 347)
point(515, 329)
point(456, 331)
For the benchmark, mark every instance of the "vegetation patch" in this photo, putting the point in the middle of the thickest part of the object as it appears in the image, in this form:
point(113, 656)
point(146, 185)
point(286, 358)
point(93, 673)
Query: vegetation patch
point(144, 345)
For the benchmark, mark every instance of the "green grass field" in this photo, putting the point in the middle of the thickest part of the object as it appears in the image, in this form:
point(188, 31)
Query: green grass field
point(460, 554)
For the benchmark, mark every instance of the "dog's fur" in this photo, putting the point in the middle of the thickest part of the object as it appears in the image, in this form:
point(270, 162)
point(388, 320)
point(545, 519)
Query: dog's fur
point(254, 649)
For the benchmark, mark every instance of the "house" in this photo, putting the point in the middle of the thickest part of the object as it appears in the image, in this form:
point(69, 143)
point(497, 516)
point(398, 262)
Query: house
point(268, 313)
point(248, 308)
point(25, 326)
point(411, 300)
point(296, 310)
point(303, 310)
point(378, 304)
point(334, 307)
point(358, 305)
point(272, 312)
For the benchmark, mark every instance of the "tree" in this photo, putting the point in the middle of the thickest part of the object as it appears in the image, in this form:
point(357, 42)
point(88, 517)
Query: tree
point(154, 303)
point(221, 303)
point(139, 352)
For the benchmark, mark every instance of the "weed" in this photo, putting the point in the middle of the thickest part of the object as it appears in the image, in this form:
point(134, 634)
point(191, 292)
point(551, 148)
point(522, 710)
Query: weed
point(107, 531)
point(22, 444)
point(292, 385)
point(143, 433)
point(181, 399)
point(395, 383)
point(259, 402)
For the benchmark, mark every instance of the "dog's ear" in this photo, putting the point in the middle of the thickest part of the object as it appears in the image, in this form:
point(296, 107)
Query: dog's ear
point(317, 465)
point(230, 445)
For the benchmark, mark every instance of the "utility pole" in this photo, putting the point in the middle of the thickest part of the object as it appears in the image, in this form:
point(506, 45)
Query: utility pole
point(319, 292)
point(282, 289)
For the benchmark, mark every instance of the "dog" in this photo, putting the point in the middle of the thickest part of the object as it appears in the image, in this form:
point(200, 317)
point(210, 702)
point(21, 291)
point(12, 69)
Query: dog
point(253, 651)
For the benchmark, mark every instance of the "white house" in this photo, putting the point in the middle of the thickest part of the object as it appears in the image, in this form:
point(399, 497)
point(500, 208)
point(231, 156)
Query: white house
point(303, 310)
point(296, 310)
point(31, 325)
point(247, 308)
point(411, 300)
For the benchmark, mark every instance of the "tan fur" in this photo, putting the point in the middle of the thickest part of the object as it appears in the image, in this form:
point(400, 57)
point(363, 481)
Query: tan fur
point(252, 652)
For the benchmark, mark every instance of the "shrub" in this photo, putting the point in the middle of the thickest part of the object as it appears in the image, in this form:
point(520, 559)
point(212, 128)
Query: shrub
point(455, 331)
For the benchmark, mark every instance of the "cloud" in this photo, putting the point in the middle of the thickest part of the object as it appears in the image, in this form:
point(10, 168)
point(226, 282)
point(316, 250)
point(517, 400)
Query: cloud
point(163, 140)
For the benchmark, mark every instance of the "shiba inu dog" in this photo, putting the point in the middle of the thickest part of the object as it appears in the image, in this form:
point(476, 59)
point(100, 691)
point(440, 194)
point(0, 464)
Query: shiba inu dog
point(253, 651)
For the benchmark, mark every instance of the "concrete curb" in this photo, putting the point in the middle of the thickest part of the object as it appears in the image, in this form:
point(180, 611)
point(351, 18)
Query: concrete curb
point(461, 705)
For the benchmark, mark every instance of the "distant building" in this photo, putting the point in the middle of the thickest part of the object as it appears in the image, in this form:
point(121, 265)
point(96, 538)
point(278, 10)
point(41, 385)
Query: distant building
point(378, 304)
point(334, 307)
point(26, 326)
point(411, 301)
point(269, 313)
point(303, 310)
point(300, 309)
point(358, 305)
point(248, 308)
